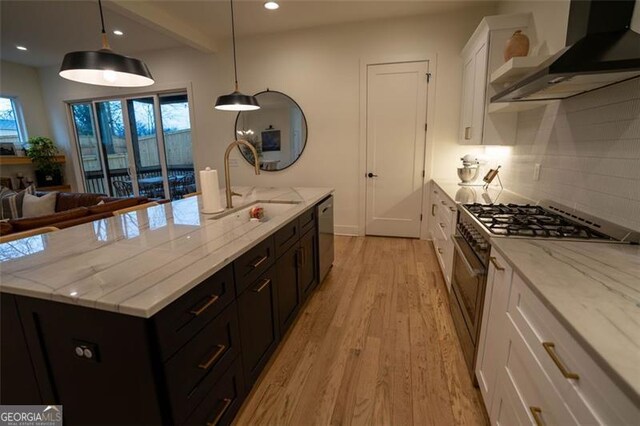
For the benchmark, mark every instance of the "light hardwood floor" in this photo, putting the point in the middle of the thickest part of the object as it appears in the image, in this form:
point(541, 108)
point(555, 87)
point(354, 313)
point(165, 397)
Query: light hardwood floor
point(375, 345)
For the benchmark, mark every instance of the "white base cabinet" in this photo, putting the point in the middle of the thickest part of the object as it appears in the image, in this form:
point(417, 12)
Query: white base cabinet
point(492, 353)
point(442, 226)
point(531, 370)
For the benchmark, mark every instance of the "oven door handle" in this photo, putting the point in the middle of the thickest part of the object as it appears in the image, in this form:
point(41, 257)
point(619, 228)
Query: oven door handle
point(473, 271)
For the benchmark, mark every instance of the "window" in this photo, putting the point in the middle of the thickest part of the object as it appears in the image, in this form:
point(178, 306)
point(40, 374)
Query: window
point(138, 145)
point(11, 124)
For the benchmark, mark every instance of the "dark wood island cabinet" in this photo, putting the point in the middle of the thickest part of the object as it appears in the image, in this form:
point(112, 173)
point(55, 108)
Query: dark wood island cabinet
point(191, 363)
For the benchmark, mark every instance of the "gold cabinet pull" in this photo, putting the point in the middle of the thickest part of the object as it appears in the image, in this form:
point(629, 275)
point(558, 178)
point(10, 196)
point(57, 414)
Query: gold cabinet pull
point(467, 133)
point(212, 299)
point(440, 250)
point(208, 363)
point(259, 262)
point(536, 412)
point(550, 347)
point(496, 264)
point(262, 285)
point(433, 206)
point(226, 402)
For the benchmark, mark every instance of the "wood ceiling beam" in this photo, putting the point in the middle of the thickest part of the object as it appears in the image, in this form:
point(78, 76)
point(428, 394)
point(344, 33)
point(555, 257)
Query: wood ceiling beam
point(154, 17)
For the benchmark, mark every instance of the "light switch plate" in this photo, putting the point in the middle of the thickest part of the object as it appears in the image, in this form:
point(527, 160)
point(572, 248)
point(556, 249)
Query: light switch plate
point(536, 171)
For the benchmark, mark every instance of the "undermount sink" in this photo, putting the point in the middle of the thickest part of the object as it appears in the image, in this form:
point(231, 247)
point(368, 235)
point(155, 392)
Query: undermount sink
point(271, 210)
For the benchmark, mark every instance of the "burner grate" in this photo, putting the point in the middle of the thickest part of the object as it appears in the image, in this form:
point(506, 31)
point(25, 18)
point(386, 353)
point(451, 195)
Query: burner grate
point(530, 221)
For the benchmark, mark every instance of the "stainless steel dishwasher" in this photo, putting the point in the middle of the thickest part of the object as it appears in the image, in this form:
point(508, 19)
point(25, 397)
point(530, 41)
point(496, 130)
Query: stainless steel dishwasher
point(325, 236)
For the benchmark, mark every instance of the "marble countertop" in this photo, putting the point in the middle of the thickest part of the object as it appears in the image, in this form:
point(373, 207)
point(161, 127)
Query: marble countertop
point(140, 262)
point(475, 194)
point(594, 290)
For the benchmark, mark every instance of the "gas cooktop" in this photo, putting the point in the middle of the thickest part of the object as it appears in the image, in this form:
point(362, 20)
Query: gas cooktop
point(534, 221)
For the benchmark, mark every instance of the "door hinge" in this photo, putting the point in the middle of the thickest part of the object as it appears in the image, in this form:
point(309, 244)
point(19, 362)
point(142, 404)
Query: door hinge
point(425, 127)
point(420, 217)
point(428, 77)
point(423, 173)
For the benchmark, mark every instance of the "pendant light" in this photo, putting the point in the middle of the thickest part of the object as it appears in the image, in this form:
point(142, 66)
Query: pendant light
point(104, 67)
point(236, 101)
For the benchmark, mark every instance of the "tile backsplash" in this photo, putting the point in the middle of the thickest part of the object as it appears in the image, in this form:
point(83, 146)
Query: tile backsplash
point(588, 148)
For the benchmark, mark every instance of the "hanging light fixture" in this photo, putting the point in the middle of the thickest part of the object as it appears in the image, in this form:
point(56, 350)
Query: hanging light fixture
point(104, 67)
point(236, 101)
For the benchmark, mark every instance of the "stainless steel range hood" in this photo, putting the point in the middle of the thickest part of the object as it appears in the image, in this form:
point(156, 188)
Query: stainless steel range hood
point(601, 50)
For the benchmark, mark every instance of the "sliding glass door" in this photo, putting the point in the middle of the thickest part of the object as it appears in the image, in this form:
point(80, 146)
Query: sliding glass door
point(151, 173)
point(135, 146)
point(114, 148)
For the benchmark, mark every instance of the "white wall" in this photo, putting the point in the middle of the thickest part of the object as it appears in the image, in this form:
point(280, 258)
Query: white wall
point(320, 69)
point(588, 146)
point(23, 82)
point(550, 22)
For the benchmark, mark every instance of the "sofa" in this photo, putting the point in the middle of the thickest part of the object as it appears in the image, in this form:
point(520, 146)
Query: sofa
point(73, 208)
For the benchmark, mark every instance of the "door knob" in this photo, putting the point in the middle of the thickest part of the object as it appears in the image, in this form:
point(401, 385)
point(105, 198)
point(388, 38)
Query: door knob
point(371, 175)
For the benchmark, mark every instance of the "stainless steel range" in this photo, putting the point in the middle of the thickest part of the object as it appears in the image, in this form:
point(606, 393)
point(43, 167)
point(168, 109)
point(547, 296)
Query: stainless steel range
point(477, 223)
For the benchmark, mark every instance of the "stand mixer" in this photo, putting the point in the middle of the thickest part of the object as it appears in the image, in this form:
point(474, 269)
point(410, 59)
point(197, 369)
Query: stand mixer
point(469, 171)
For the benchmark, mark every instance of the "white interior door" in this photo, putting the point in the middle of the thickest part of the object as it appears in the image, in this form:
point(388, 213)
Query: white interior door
point(396, 118)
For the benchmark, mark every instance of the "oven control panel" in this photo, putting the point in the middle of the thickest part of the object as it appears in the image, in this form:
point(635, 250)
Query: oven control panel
point(473, 236)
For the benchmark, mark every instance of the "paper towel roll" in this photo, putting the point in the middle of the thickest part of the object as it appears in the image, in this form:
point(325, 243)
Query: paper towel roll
point(210, 191)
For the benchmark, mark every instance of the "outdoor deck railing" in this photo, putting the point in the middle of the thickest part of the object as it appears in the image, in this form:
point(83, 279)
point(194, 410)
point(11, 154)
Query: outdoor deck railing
point(181, 182)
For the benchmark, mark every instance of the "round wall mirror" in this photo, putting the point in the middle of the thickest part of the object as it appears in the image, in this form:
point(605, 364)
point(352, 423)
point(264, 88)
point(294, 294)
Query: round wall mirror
point(278, 131)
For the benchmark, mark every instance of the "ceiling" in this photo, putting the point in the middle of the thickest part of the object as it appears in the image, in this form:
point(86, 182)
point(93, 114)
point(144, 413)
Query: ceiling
point(51, 28)
point(213, 17)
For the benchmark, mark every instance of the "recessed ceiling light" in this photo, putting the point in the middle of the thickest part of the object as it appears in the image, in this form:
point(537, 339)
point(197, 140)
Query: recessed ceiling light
point(271, 5)
point(118, 32)
point(21, 48)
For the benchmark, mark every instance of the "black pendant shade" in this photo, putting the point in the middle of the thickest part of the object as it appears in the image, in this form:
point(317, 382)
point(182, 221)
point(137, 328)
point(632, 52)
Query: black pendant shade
point(104, 67)
point(236, 101)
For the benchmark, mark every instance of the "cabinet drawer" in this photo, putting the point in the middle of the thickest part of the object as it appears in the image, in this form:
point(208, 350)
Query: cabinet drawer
point(200, 363)
point(258, 324)
point(307, 220)
point(249, 266)
point(443, 222)
point(178, 322)
point(536, 392)
point(286, 237)
point(223, 401)
point(593, 398)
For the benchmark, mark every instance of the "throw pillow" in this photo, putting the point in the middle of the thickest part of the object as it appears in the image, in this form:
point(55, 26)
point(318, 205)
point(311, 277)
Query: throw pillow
point(12, 202)
point(33, 206)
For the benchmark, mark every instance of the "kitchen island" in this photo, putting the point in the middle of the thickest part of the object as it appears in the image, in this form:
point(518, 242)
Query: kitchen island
point(163, 315)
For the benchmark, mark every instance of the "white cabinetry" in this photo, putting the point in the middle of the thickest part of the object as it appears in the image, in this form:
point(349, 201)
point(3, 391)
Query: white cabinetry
point(474, 77)
point(442, 225)
point(531, 370)
point(482, 55)
point(491, 352)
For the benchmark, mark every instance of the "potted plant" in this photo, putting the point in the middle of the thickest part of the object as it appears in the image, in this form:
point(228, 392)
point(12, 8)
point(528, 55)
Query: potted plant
point(42, 152)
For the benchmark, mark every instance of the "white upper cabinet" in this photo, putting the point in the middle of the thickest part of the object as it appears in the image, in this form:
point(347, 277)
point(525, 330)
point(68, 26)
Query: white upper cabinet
point(481, 56)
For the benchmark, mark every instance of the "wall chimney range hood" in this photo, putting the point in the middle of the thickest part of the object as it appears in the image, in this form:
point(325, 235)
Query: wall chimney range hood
point(601, 50)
